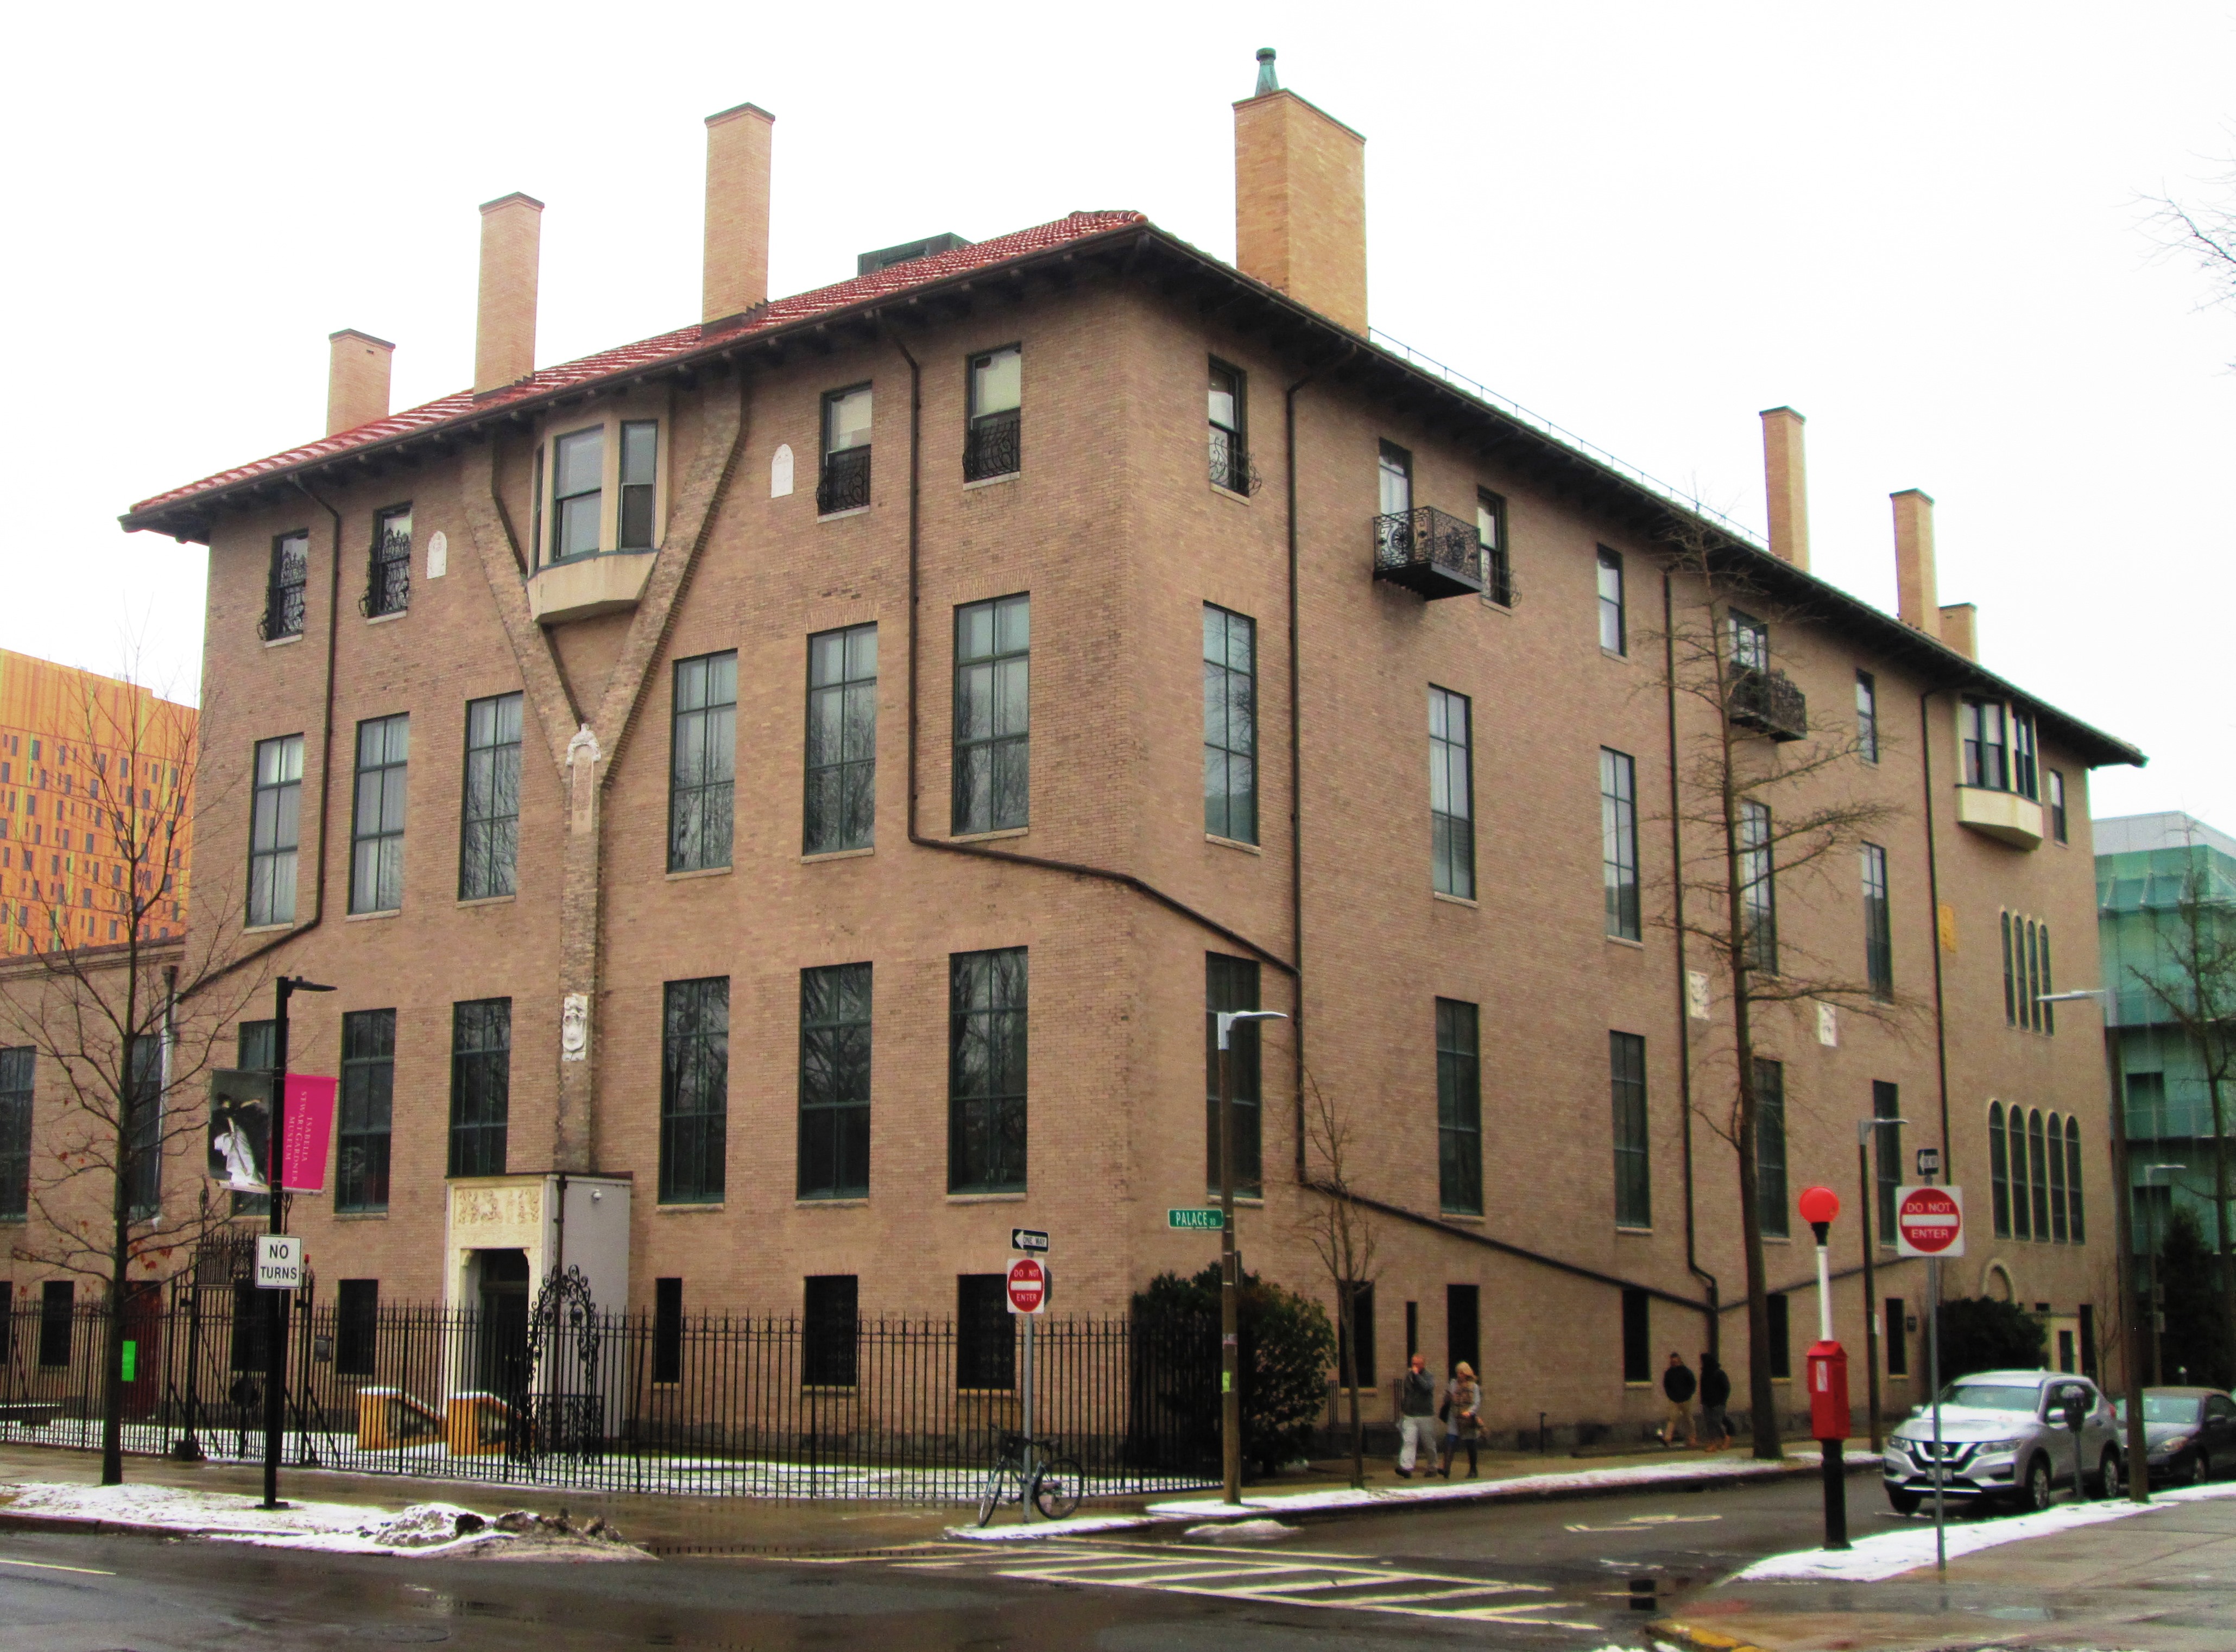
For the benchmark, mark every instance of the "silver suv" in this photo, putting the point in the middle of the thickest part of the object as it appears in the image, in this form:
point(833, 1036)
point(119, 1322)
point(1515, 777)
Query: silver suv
point(2004, 1435)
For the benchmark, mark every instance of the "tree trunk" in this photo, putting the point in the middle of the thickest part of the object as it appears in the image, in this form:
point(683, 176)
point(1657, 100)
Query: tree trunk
point(1351, 1386)
point(2221, 1214)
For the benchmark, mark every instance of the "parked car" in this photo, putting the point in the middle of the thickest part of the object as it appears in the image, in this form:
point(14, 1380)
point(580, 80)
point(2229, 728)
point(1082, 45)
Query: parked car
point(2191, 1433)
point(2005, 1438)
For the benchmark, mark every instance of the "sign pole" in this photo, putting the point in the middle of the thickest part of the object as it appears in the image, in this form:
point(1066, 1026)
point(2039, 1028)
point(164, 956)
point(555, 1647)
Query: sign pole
point(1026, 1503)
point(1933, 1377)
point(1230, 1401)
point(275, 1313)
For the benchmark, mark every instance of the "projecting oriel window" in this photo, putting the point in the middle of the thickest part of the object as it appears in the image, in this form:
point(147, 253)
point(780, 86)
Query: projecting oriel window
point(578, 476)
point(383, 749)
point(842, 740)
point(1987, 750)
point(1452, 794)
point(1230, 725)
point(639, 484)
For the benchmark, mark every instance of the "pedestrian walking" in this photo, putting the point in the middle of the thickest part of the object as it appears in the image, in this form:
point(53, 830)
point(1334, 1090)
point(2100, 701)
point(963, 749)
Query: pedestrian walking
point(1678, 1387)
point(1462, 1414)
point(1416, 1418)
point(1716, 1395)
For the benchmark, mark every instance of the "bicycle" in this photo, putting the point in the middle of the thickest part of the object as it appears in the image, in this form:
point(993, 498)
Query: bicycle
point(1055, 1484)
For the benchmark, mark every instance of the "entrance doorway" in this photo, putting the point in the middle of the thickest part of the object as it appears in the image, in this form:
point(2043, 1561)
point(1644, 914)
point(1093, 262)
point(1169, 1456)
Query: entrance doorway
point(500, 1352)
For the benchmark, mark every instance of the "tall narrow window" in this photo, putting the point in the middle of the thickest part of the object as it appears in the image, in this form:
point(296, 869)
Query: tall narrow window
point(1490, 530)
point(2021, 1203)
point(1396, 471)
point(2023, 762)
point(2074, 1220)
point(1459, 1108)
point(384, 750)
point(1758, 886)
point(2038, 1174)
point(1879, 923)
point(985, 1334)
point(1887, 1143)
point(1614, 622)
point(356, 1327)
point(1867, 716)
point(57, 1312)
point(1770, 1146)
point(1230, 725)
point(143, 1151)
point(1987, 755)
point(2030, 1010)
point(986, 1071)
point(639, 484)
point(993, 439)
point(845, 483)
point(15, 1067)
point(256, 1049)
point(842, 740)
point(388, 581)
point(2010, 978)
point(578, 480)
point(1999, 1170)
point(668, 1330)
point(1634, 1200)
point(1230, 445)
point(993, 643)
point(284, 586)
point(274, 825)
point(2048, 1009)
point(1452, 794)
point(489, 835)
point(481, 1084)
point(1750, 641)
point(1231, 984)
point(702, 762)
point(368, 1091)
point(1462, 1326)
point(2057, 824)
point(2056, 1157)
point(694, 1090)
point(1637, 1338)
point(834, 1082)
point(831, 1330)
point(1619, 842)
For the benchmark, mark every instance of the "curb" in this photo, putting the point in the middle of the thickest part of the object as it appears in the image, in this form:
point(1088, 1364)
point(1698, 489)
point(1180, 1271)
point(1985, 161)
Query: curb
point(1695, 1639)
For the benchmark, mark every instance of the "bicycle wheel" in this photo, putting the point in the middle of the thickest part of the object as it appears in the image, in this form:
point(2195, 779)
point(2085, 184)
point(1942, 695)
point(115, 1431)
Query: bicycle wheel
point(1056, 1488)
point(989, 1498)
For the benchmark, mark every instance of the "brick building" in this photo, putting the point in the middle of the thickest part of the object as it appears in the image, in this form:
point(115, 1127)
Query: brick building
point(785, 794)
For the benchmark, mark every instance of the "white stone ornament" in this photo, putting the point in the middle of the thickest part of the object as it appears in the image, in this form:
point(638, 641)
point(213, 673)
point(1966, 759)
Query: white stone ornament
point(1828, 1025)
point(438, 554)
point(575, 1027)
point(780, 471)
point(1696, 994)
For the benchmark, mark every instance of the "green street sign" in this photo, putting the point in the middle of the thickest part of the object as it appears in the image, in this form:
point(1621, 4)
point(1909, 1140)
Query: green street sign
point(131, 1362)
point(1206, 1221)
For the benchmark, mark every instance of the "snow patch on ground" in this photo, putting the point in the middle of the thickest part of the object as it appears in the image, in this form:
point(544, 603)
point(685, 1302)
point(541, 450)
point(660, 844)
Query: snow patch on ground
point(1049, 1528)
point(1891, 1553)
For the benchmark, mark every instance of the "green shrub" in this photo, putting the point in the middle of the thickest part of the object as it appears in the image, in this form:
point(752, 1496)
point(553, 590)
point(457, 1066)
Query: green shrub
point(1285, 1345)
point(1980, 1334)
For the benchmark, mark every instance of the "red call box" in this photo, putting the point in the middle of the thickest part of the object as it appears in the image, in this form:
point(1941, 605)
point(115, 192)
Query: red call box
point(1827, 1369)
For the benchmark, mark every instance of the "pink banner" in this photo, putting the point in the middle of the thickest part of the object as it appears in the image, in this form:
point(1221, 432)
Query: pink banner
point(310, 1134)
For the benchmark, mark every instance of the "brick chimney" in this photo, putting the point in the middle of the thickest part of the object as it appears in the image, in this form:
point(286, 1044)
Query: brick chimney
point(1960, 623)
point(356, 379)
point(736, 271)
point(1786, 479)
point(1917, 599)
point(1300, 201)
point(504, 334)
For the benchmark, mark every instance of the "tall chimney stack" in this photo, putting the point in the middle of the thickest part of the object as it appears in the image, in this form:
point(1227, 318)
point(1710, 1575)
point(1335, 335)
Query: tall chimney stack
point(1300, 201)
point(356, 379)
point(504, 336)
point(736, 271)
point(1786, 480)
point(1917, 598)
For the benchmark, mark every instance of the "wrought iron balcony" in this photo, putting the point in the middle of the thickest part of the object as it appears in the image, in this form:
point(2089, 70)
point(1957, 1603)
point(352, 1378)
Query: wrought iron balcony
point(1767, 702)
point(1429, 553)
point(388, 588)
point(994, 446)
point(1230, 468)
point(1498, 580)
point(283, 613)
point(845, 484)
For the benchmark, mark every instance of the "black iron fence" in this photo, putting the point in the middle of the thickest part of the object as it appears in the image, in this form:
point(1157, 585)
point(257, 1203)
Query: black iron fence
point(563, 1394)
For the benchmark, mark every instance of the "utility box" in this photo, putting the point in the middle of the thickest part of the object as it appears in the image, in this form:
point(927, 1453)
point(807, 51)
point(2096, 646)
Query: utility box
point(1828, 1391)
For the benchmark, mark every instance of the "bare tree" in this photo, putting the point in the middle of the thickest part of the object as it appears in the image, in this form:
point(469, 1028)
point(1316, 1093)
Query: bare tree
point(2197, 991)
point(2203, 232)
point(1341, 1233)
point(112, 1006)
point(1768, 808)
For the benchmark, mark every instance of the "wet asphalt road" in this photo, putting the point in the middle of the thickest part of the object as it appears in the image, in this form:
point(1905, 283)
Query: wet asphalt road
point(1553, 1577)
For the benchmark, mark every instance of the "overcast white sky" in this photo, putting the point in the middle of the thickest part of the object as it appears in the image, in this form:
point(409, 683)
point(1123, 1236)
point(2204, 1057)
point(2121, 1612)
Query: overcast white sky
point(1916, 223)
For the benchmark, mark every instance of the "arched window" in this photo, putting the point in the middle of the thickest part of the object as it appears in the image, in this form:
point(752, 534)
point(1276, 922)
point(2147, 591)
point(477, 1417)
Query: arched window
point(1999, 1170)
point(2074, 1223)
point(2056, 1179)
point(2038, 1174)
point(2022, 1207)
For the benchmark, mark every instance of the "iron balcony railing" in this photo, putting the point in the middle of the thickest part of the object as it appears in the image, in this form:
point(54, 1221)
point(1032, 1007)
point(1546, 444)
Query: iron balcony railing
point(1767, 702)
point(994, 446)
point(388, 586)
point(1230, 467)
point(1498, 578)
point(283, 612)
point(1429, 553)
point(845, 484)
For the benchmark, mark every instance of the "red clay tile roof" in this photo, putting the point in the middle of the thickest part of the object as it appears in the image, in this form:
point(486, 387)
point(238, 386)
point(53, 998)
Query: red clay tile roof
point(667, 346)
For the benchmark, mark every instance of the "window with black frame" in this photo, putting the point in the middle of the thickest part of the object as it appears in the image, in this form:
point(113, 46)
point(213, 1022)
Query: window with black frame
point(985, 1334)
point(993, 435)
point(831, 1330)
point(1986, 751)
point(368, 1091)
point(481, 1084)
point(1879, 923)
point(383, 750)
point(1867, 716)
point(694, 1090)
point(143, 1151)
point(986, 1071)
point(1619, 843)
point(1452, 794)
point(1230, 725)
point(1757, 863)
point(388, 581)
point(57, 1317)
point(2055, 798)
point(668, 1330)
point(703, 763)
point(2023, 760)
point(356, 1327)
point(1230, 440)
point(1497, 565)
point(1231, 984)
point(1615, 636)
point(1770, 1147)
point(993, 708)
point(1886, 1154)
point(275, 818)
point(1634, 1195)
point(842, 740)
point(834, 1082)
point(489, 832)
point(844, 483)
point(16, 1067)
point(284, 585)
point(1459, 1108)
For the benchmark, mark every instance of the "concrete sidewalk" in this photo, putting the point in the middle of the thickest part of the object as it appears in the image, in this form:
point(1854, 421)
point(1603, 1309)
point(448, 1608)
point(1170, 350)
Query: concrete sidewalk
point(2158, 1579)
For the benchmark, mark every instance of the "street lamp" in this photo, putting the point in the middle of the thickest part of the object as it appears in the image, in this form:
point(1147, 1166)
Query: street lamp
point(1230, 1345)
point(1865, 1190)
point(2158, 1286)
point(2139, 1489)
point(275, 1313)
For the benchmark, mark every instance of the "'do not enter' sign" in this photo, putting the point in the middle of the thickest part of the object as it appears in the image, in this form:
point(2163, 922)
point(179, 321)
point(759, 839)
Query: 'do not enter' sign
point(1027, 1283)
point(1929, 1222)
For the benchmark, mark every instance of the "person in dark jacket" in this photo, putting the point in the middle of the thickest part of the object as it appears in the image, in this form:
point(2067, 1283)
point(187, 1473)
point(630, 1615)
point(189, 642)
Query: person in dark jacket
point(1716, 1395)
point(1416, 1418)
point(1678, 1387)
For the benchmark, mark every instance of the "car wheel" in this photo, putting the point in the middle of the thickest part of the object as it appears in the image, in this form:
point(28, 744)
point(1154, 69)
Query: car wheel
point(2036, 1496)
point(1902, 1502)
point(2196, 1474)
point(2110, 1483)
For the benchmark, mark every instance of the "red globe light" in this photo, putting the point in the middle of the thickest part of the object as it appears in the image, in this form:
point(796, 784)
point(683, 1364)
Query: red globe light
point(1819, 1204)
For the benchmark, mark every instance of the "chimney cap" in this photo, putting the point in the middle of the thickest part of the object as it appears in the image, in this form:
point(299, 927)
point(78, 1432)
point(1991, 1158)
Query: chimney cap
point(359, 332)
point(1905, 493)
point(1267, 80)
point(507, 200)
point(1767, 412)
point(736, 110)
